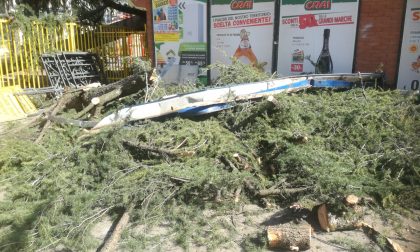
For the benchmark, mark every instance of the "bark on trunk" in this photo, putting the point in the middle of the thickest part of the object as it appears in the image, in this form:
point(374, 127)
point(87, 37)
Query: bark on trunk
point(289, 236)
point(128, 85)
point(98, 97)
point(99, 102)
point(112, 242)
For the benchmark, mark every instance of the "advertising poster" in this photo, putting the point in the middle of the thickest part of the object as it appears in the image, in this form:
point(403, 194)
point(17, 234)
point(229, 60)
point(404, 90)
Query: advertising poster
point(242, 29)
point(409, 70)
point(180, 33)
point(317, 36)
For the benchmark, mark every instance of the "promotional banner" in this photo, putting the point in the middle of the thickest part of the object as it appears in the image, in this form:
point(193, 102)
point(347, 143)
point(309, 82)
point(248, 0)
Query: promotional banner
point(242, 29)
point(180, 33)
point(317, 36)
point(409, 70)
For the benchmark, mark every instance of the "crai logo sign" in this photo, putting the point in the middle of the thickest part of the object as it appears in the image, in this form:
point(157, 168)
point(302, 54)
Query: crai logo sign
point(241, 4)
point(416, 15)
point(318, 5)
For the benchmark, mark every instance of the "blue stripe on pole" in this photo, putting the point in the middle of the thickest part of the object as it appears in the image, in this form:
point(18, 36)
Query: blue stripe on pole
point(202, 110)
point(195, 111)
point(332, 84)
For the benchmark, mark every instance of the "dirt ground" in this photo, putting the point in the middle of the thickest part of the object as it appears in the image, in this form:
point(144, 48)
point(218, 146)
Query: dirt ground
point(252, 221)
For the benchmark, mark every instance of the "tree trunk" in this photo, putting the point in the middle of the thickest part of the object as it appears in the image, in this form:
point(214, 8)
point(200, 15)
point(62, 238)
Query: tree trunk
point(128, 85)
point(289, 236)
point(329, 222)
point(98, 97)
point(111, 243)
point(99, 102)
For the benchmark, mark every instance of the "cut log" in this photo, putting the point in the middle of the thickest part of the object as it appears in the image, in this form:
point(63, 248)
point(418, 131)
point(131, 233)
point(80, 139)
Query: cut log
point(351, 200)
point(322, 214)
point(95, 101)
point(273, 100)
point(289, 236)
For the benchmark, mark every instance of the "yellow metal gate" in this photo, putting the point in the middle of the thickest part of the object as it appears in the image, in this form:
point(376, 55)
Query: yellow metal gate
point(19, 52)
point(20, 66)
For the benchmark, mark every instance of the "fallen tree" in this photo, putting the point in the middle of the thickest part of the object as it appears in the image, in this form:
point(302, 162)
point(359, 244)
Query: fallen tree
point(315, 146)
point(95, 98)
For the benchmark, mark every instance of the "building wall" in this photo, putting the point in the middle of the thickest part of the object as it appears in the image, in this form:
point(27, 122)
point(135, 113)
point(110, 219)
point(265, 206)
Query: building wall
point(379, 36)
point(147, 5)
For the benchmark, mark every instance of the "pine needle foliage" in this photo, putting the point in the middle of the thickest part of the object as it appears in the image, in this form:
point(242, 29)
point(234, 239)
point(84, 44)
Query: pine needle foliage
point(25, 21)
point(339, 142)
point(332, 143)
point(237, 73)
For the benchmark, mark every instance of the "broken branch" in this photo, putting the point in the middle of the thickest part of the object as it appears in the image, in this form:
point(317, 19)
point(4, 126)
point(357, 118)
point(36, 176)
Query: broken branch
point(160, 151)
point(112, 242)
point(279, 191)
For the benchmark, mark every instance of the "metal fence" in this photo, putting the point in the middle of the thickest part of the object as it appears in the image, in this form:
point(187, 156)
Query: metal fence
point(20, 50)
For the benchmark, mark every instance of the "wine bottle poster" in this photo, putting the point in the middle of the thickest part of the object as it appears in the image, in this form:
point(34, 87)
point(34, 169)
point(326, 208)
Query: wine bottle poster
point(180, 34)
point(409, 67)
point(317, 36)
point(242, 29)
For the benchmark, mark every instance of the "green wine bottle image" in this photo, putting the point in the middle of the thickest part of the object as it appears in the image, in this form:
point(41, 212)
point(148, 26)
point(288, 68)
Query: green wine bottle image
point(324, 65)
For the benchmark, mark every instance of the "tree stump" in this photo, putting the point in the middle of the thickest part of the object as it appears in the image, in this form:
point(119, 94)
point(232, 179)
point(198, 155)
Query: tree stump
point(330, 222)
point(289, 236)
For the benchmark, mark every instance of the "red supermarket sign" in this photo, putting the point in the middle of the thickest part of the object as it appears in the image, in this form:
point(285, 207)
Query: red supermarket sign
point(241, 4)
point(416, 15)
point(318, 5)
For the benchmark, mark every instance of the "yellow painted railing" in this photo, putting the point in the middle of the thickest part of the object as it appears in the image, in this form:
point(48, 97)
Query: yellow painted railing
point(19, 52)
